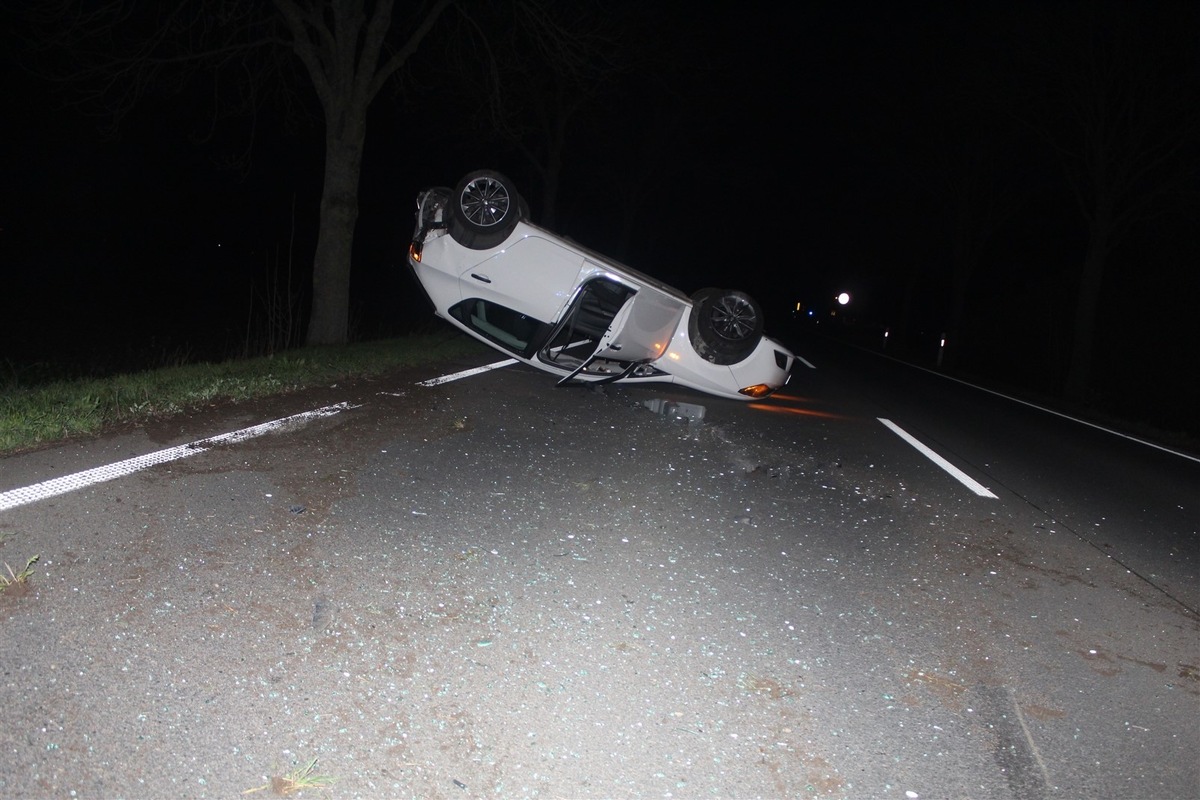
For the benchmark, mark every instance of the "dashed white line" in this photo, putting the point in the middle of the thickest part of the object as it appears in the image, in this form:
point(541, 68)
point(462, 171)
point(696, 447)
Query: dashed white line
point(25, 495)
point(79, 480)
point(466, 373)
point(962, 477)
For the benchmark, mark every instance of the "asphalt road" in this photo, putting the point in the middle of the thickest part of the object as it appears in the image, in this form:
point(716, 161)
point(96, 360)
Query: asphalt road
point(494, 588)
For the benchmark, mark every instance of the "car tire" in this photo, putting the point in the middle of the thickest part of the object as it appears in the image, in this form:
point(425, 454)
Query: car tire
point(725, 326)
point(484, 210)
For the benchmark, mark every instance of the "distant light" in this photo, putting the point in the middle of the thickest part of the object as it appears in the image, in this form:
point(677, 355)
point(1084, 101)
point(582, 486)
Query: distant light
point(843, 298)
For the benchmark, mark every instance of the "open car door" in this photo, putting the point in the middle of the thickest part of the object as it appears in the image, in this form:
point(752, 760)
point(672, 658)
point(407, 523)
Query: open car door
point(611, 329)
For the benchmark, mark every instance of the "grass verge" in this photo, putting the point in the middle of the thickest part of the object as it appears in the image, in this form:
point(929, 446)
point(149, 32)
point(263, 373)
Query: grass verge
point(34, 416)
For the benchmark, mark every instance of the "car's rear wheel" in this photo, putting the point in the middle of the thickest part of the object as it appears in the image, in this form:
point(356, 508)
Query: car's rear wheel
point(484, 210)
point(725, 326)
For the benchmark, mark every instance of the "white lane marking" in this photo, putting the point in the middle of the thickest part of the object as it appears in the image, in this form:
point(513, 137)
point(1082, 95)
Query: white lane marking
point(805, 362)
point(108, 472)
point(962, 477)
point(466, 373)
point(1139, 440)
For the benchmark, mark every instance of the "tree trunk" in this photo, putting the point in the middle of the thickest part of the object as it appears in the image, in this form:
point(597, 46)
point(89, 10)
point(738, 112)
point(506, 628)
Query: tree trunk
point(549, 215)
point(1079, 370)
point(956, 337)
point(962, 269)
point(329, 321)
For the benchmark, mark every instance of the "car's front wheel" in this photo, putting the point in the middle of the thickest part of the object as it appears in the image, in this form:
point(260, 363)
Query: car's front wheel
point(484, 210)
point(725, 326)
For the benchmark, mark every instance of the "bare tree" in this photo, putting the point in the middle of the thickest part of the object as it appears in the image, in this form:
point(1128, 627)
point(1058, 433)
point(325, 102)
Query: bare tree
point(1112, 88)
point(114, 53)
point(971, 174)
point(544, 66)
point(342, 46)
point(929, 135)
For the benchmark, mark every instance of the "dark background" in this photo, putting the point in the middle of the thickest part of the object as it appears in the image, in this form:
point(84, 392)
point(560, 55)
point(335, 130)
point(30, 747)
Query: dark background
point(794, 154)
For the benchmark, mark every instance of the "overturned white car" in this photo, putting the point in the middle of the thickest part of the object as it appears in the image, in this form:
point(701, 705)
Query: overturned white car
point(562, 308)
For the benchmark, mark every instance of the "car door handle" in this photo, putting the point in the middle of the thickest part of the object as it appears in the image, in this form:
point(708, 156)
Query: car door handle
point(479, 277)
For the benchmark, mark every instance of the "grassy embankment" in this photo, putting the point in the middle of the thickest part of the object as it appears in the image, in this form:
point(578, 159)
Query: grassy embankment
point(38, 415)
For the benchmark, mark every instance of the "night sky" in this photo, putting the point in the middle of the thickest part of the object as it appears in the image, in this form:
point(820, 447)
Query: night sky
point(793, 156)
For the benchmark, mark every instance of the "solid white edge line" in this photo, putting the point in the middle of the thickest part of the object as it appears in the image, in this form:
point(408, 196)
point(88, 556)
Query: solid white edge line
point(79, 480)
point(962, 477)
point(805, 362)
point(466, 373)
point(1093, 425)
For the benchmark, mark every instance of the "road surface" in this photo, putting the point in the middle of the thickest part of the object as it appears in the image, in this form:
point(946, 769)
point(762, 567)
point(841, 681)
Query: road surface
point(493, 588)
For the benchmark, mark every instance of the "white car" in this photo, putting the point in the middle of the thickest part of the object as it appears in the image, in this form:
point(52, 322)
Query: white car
point(562, 308)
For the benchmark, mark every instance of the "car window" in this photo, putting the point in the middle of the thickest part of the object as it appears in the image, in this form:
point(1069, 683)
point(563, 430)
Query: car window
point(510, 329)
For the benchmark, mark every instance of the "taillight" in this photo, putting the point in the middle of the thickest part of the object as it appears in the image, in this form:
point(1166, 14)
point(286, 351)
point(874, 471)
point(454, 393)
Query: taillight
point(414, 250)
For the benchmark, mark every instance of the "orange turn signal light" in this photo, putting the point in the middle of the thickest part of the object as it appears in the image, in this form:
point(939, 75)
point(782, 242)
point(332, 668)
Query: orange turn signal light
point(757, 391)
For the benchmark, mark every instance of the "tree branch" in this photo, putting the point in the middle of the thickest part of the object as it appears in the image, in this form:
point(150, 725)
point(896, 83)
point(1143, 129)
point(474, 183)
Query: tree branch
point(398, 59)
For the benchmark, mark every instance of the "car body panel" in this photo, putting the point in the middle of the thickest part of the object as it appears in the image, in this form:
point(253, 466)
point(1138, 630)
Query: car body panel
point(533, 275)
